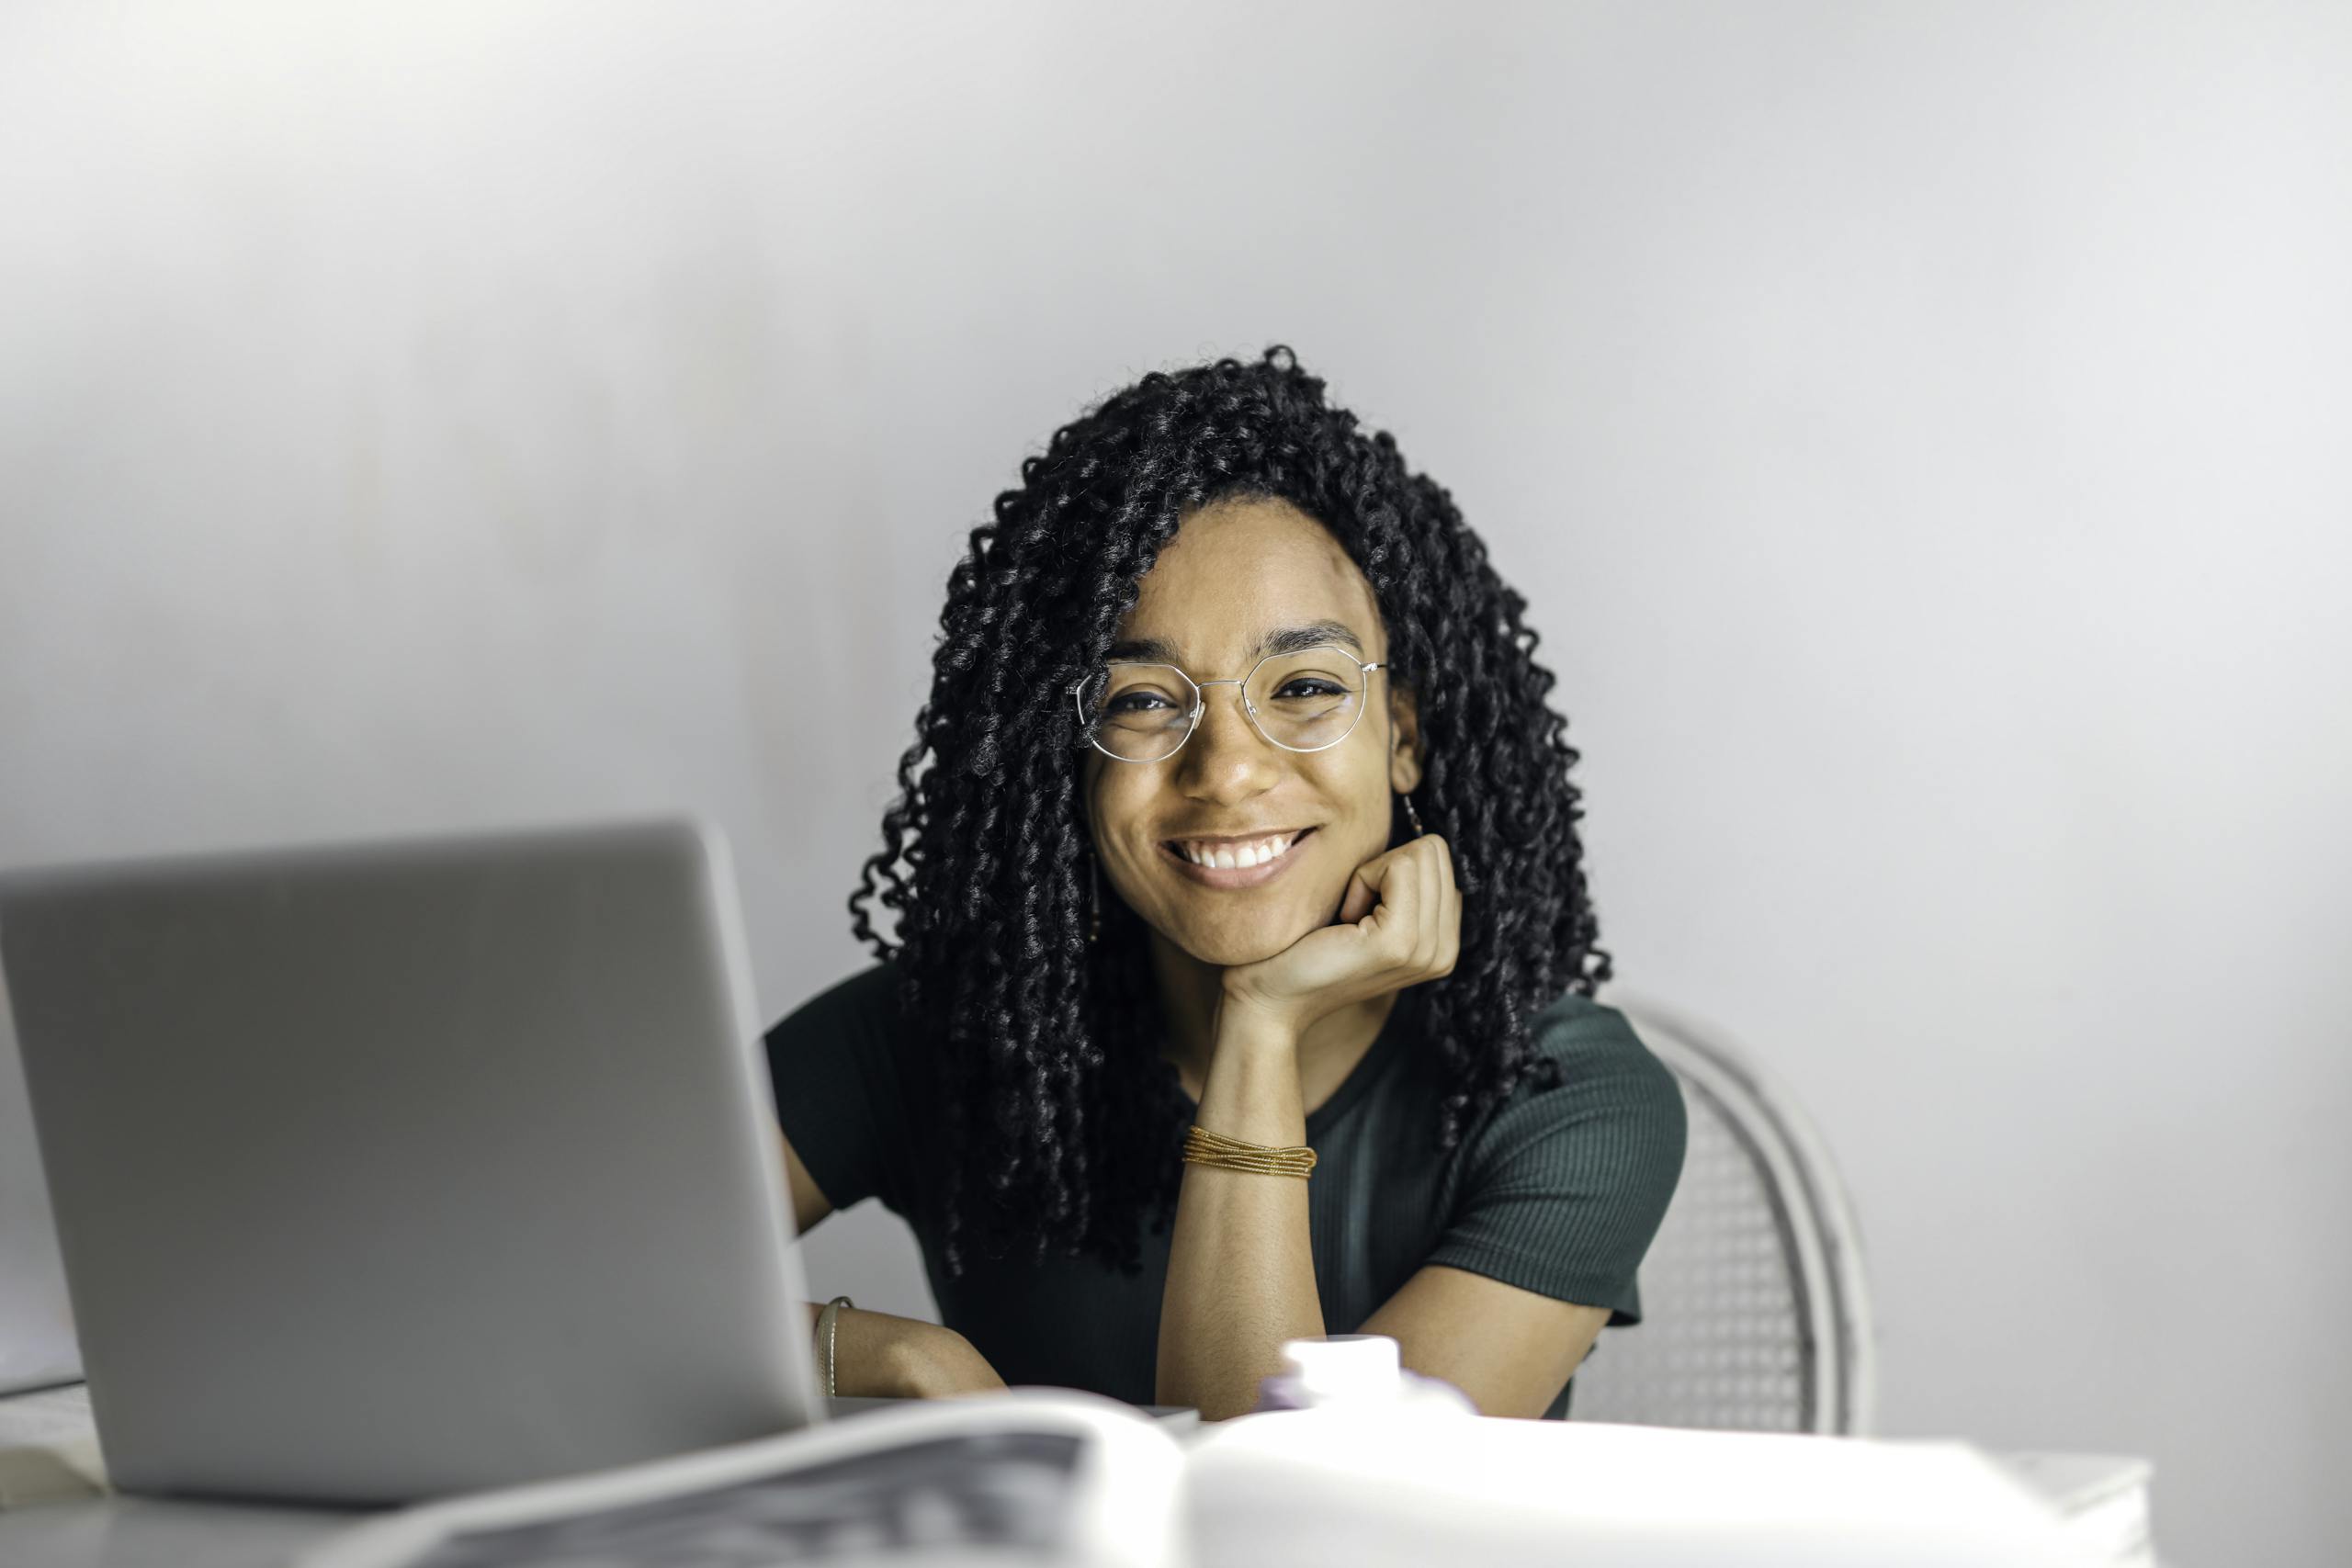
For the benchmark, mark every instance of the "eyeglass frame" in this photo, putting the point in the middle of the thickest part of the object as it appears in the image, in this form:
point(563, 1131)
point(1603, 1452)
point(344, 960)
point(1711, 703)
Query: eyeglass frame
point(1201, 706)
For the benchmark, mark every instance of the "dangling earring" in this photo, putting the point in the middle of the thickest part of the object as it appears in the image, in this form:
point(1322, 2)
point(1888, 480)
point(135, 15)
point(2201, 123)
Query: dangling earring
point(1412, 816)
point(1093, 901)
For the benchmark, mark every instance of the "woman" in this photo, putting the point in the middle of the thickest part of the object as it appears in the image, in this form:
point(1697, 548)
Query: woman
point(1244, 812)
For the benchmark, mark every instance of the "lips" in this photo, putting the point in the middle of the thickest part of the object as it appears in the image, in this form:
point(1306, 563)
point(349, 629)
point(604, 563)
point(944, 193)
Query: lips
point(1238, 876)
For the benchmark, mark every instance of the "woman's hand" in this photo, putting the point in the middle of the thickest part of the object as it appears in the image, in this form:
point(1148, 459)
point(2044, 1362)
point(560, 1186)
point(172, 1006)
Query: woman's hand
point(942, 1364)
point(880, 1353)
point(1399, 924)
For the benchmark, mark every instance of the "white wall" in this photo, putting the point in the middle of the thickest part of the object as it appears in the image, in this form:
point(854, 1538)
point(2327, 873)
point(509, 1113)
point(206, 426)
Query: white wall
point(1920, 431)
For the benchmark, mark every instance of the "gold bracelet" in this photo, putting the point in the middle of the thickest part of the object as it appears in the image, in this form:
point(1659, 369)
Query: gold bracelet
point(1204, 1147)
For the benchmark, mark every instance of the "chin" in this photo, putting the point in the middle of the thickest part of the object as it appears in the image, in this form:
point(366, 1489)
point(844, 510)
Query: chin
point(1228, 949)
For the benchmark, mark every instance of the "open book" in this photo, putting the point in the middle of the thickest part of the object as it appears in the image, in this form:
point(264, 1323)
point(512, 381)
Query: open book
point(1058, 1476)
point(1038, 1475)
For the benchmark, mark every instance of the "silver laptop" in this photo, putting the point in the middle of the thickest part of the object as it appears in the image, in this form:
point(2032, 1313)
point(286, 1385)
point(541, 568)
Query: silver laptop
point(36, 1347)
point(386, 1170)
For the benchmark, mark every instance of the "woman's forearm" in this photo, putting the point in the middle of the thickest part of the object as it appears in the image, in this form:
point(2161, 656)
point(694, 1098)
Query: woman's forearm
point(1241, 1271)
point(878, 1353)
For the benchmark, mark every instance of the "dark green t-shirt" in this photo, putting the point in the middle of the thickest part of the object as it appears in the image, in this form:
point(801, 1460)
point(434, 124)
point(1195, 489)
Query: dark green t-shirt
point(1557, 1192)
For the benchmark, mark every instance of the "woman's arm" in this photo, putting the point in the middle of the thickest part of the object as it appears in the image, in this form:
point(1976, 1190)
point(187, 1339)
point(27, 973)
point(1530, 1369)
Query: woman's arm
point(1510, 1350)
point(1240, 1272)
point(877, 1352)
point(899, 1357)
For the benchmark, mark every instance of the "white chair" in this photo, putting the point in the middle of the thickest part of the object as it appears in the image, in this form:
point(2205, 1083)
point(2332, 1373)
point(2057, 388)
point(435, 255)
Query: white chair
point(1756, 1314)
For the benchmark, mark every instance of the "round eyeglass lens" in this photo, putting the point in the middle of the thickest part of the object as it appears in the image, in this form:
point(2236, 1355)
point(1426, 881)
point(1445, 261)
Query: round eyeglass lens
point(1139, 712)
point(1305, 700)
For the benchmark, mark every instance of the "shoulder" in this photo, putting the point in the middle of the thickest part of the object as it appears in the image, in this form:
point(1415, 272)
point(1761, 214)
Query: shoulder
point(856, 1017)
point(1594, 1040)
point(1615, 1102)
point(836, 1077)
point(872, 990)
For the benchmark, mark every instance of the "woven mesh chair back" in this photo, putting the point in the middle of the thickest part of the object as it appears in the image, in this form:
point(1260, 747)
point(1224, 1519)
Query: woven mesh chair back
point(1755, 1310)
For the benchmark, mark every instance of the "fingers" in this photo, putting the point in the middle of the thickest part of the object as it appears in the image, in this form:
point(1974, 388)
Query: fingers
point(1450, 923)
point(1420, 886)
point(1408, 901)
point(1376, 882)
point(1439, 926)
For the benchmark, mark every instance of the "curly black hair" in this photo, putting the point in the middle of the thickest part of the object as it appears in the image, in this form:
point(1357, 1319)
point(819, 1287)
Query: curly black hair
point(1064, 1124)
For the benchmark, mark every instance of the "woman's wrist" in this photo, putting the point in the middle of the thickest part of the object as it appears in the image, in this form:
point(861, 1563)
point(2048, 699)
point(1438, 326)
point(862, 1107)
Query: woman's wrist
point(939, 1363)
point(1245, 1026)
point(861, 1348)
point(879, 1354)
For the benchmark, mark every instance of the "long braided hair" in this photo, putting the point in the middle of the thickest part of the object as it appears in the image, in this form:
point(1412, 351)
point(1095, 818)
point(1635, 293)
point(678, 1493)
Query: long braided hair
point(1063, 1123)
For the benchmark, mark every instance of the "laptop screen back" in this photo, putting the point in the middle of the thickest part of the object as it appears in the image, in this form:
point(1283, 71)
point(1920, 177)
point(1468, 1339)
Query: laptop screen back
point(387, 1170)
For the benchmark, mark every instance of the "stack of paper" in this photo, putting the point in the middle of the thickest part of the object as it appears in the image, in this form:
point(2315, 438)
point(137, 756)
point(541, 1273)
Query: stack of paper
point(1322, 1486)
point(48, 1447)
point(2102, 1497)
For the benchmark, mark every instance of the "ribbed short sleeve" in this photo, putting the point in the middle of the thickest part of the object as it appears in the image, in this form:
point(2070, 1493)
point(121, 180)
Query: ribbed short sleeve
point(832, 1061)
point(1563, 1189)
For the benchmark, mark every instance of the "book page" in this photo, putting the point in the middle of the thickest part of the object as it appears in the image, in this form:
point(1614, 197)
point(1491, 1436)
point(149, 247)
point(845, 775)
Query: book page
point(1029, 1475)
point(940, 1499)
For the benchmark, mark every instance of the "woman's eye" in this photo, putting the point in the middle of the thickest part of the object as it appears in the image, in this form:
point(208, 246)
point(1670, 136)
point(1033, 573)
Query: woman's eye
point(1322, 689)
point(1129, 702)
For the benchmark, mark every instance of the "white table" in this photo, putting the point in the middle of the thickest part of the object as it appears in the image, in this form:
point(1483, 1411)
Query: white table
point(2107, 1497)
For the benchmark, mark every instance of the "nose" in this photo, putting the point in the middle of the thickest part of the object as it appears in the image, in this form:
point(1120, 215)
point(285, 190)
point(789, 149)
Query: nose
point(1226, 759)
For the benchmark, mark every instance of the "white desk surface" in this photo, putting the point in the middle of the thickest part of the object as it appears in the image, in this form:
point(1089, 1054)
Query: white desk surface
point(116, 1531)
point(135, 1532)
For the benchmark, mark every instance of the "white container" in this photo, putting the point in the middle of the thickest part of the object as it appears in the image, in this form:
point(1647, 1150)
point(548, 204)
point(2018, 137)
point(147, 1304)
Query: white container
point(1357, 1373)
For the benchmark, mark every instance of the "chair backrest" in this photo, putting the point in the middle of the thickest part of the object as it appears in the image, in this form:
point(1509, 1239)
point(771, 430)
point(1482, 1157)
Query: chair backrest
point(1756, 1314)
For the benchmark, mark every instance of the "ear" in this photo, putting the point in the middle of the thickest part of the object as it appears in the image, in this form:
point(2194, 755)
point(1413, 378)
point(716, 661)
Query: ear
point(1405, 739)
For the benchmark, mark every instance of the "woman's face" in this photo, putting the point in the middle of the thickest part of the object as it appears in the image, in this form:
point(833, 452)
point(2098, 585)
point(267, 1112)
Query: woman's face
point(1235, 574)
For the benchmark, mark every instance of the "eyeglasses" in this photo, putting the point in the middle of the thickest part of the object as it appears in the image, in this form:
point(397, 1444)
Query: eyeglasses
point(1303, 701)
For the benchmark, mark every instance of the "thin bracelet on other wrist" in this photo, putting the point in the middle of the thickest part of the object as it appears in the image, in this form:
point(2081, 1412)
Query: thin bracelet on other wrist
point(827, 1321)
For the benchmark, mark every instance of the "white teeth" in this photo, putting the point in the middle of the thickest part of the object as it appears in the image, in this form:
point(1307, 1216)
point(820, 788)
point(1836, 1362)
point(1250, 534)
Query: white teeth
point(1232, 857)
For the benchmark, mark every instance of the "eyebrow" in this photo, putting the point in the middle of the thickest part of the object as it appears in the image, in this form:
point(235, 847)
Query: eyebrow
point(1283, 639)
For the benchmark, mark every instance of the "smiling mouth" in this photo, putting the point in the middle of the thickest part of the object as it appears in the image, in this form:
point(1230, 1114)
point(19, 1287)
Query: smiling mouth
point(1246, 864)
